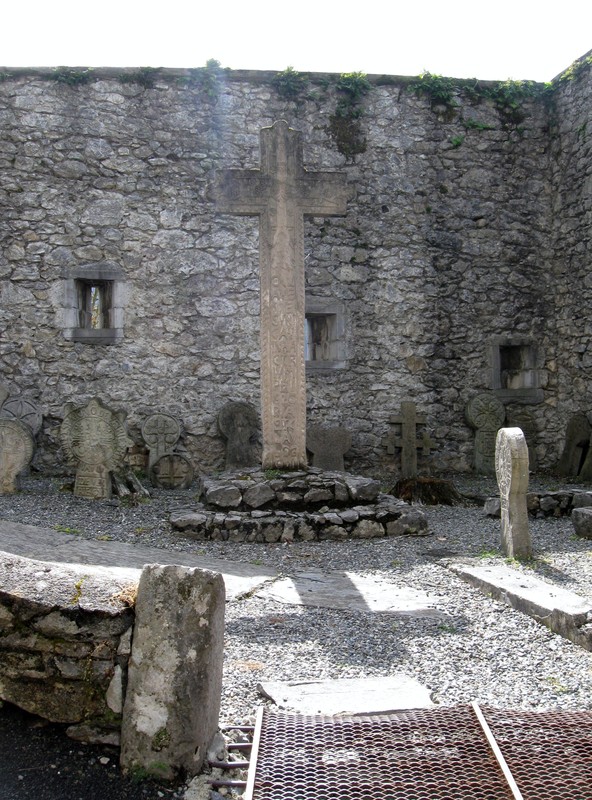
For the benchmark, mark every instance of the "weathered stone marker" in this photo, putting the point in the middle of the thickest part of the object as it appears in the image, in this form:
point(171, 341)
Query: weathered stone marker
point(408, 441)
point(95, 439)
point(486, 414)
point(281, 193)
point(16, 451)
point(328, 446)
point(24, 411)
point(237, 422)
point(576, 458)
point(175, 672)
point(511, 467)
point(161, 433)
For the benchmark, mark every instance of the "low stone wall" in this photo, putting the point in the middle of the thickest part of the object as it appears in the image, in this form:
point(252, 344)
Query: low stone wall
point(70, 647)
point(546, 504)
point(253, 506)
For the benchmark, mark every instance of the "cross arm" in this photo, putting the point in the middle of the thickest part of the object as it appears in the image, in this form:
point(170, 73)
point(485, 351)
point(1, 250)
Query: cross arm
point(324, 193)
point(238, 191)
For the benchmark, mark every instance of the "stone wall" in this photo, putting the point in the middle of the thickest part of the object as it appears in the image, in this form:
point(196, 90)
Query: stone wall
point(571, 182)
point(122, 656)
point(452, 248)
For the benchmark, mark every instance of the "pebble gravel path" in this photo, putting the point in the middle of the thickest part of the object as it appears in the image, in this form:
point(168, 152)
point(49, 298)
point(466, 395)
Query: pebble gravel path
point(483, 651)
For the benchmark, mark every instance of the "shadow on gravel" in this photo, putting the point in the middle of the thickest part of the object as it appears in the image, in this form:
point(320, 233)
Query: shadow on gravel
point(39, 762)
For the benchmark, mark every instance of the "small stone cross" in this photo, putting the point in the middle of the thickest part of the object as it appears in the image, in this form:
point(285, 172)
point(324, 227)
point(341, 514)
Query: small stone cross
point(409, 441)
point(281, 193)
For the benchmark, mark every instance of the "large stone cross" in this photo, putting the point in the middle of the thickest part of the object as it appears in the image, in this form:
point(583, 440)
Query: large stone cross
point(281, 193)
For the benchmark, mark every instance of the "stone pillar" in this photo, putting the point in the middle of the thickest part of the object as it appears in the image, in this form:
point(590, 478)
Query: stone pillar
point(172, 701)
point(511, 467)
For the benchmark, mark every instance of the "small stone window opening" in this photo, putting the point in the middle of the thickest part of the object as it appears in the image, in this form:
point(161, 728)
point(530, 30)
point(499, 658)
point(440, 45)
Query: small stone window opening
point(517, 367)
point(517, 370)
point(320, 337)
point(94, 297)
point(95, 300)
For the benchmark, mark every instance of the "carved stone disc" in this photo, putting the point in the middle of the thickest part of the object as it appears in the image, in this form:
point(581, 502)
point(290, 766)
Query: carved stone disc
point(172, 471)
point(23, 410)
point(485, 412)
point(161, 431)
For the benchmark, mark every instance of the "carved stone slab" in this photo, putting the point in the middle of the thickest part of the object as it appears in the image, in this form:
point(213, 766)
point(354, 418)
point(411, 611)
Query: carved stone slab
point(16, 451)
point(161, 433)
point(172, 471)
point(237, 422)
point(410, 439)
point(328, 446)
point(94, 438)
point(576, 448)
point(280, 193)
point(511, 467)
point(25, 411)
point(486, 414)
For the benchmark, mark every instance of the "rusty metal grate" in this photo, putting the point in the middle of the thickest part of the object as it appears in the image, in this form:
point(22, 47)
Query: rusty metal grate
point(435, 754)
point(548, 752)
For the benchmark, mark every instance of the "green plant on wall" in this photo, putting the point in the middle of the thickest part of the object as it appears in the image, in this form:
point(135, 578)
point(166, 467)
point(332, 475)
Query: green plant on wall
point(508, 97)
point(438, 89)
point(344, 124)
point(289, 84)
point(575, 70)
point(71, 76)
point(145, 76)
point(209, 79)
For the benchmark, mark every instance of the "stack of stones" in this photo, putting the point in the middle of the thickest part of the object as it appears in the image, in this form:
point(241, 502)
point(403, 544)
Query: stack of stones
point(253, 506)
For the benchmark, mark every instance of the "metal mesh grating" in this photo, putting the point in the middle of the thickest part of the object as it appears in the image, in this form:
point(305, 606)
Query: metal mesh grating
point(435, 754)
point(548, 752)
point(438, 754)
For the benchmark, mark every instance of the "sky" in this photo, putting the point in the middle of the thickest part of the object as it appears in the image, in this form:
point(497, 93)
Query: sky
point(487, 39)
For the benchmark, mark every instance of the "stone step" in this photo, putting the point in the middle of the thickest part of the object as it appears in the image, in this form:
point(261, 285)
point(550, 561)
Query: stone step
point(560, 610)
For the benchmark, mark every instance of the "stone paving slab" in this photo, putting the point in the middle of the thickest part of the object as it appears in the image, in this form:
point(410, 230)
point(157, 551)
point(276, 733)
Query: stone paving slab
point(45, 544)
point(351, 592)
point(348, 695)
point(561, 610)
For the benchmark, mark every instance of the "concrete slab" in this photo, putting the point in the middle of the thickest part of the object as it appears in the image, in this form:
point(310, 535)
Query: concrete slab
point(352, 592)
point(349, 695)
point(45, 544)
point(562, 611)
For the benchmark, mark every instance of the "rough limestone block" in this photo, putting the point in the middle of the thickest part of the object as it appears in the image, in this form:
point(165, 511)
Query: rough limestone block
point(582, 522)
point(175, 672)
point(511, 467)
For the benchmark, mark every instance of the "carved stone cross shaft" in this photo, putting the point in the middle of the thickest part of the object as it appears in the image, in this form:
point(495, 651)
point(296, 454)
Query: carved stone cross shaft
point(281, 193)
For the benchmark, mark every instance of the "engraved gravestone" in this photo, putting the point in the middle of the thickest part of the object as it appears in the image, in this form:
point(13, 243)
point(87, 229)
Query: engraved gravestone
point(172, 471)
point(280, 194)
point(24, 411)
point(511, 467)
point(410, 440)
point(16, 451)
point(328, 446)
point(576, 457)
point(486, 414)
point(94, 437)
point(161, 433)
point(237, 422)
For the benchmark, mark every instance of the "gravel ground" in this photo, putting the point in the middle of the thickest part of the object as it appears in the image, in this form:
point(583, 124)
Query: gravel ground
point(485, 651)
